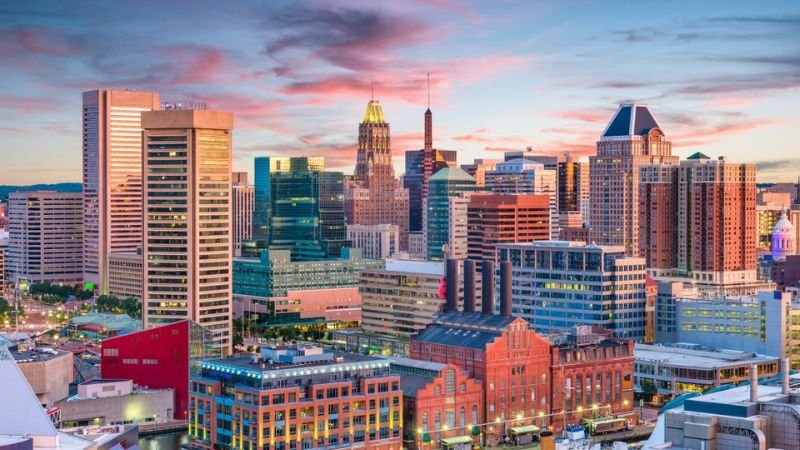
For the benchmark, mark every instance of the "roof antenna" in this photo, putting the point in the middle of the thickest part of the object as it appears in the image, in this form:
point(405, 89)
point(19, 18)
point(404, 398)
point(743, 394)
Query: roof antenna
point(373, 89)
point(429, 90)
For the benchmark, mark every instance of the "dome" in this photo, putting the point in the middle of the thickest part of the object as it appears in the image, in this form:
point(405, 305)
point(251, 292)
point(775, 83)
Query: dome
point(783, 226)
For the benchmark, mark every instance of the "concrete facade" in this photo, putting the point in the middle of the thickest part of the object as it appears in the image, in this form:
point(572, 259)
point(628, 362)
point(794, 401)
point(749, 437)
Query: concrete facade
point(138, 407)
point(375, 241)
point(125, 275)
point(49, 372)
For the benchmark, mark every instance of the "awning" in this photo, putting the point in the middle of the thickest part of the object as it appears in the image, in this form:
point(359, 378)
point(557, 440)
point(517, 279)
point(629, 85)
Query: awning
point(457, 440)
point(525, 429)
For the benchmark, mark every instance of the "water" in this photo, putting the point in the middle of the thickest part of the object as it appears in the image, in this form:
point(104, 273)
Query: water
point(169, 441)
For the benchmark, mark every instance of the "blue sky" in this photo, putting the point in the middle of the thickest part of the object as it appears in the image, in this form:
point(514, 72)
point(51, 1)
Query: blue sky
point(720, 77)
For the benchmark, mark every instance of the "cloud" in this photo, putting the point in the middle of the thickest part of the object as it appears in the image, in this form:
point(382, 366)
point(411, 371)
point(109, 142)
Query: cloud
point(37, 40)
point(349, 38)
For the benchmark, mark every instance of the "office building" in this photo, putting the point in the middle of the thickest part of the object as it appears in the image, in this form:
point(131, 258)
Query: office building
point(243, 199)
point(675, 369)
point(3, 247)
point(590, 369)
point(296, 397)
point(478, 170)
point(403, 298)
point(275, 290)
point(112, 177)
point(681, 230)
point(187, 253)
point(376, 241)
point(3, 217)
point(416, 245)
point(374, 196)
point(116, 401)
point(441, 402)
point(503, 352)
point(573, 187)
point(632, 139)
point(524, 176)
point(768, 323)
point(299, 207)
point(160, 358)
point(559, 284)
point(45, 237)
point(125, 275)
point(494, 219)
point(549, 162)
point(440, 223)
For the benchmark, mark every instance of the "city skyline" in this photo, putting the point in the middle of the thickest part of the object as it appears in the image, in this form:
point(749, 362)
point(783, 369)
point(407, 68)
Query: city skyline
point(719, 81)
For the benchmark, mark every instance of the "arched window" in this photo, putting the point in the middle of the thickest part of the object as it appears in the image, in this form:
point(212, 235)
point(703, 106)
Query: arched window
point(437, 390)
point(475, 414)
point(462, 417)
point(463, 387)
point(437, 422)
point(425, 422)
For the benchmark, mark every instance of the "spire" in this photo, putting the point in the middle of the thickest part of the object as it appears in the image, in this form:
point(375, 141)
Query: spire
point(372, 95)
point(429, 91)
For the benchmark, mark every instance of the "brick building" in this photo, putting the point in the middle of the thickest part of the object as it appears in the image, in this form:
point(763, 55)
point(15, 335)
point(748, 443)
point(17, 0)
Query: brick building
point(493, 218)
point(509, 358)
point(592, 373)
point(440, 401)
point(293, 398)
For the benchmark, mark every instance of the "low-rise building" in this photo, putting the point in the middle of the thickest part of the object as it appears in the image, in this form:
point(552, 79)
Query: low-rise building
point(676, 369)
point(275, 290)
point(48, 371)
point(359, 341)
point(125, 275)
point(116, 402)
point(296, 397)
point(590, 369)
point(441, 403)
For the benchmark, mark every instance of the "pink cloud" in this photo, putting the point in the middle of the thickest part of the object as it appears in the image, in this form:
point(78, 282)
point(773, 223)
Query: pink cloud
point(730, 102)
point(197, 65)
point(39, 41)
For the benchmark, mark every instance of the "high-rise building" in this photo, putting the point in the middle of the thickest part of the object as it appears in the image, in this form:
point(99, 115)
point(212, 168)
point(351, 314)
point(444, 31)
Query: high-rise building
point(443, 218)
point(559, 284)
point(573, 188)
point(308, 398)
point(524, 176)
point(494, 219)
point(632, 139)
point(376, 241)
point(243, 198)
point(3, 217)
point(478, 169)
point(125, 274)
point(413, 181)
point(187, 201)
point(112, 177)
point(298, 206)
point(698, 220)
point(374, 196)
point(45, 237)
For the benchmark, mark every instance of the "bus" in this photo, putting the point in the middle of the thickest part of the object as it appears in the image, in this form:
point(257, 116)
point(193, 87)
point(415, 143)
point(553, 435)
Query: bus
point(603, 425)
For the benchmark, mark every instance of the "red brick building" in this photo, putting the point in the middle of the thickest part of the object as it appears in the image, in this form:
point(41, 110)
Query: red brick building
point(440, 401)
point(296, 398)
point(650, 295)
point(592, 373)
point(511, 360)
point(494, 218)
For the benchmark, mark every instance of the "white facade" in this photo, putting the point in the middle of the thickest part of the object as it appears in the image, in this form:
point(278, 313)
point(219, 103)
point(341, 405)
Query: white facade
point(376, 241)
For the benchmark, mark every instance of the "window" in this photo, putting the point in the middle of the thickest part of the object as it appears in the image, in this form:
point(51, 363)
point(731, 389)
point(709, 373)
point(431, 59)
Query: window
point(474, 414)
point(450, 381)
point(450, 417)
point(463, 387)
point(462, 417)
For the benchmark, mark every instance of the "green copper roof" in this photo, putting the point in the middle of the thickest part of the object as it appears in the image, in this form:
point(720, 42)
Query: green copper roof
point(452, 174)
point(698, 155)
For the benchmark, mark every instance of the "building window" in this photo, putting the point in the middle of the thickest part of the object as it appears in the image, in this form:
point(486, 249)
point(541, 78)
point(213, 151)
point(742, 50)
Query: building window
point(450, 381)
point(462, 417)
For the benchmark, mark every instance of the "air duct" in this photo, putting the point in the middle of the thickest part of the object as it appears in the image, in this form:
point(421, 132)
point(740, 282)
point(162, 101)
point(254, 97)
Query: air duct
point(505, 288)
point(487, 288)
point(469, 286)
point(451, 302)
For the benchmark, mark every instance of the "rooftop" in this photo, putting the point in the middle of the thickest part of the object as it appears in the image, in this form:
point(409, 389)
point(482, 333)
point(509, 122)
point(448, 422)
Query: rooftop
point(674, 355)
point(452, 174)
point(254, 366)
point(25, 354)
point(111, 322)
point(415, 266)
point(460, 329)
point(630, 120)
point(374, 113)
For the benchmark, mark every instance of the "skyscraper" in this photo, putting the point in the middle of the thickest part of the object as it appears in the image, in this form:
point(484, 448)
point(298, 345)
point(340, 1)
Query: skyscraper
point(299, 207)
point(573, 188)
point(243, 198)
point(632, 139)
point(441, 222)
point(112, 176)
point(414, 178)
point(698, 219)
point(374, 196)
point(187, 200)
point(45, 237)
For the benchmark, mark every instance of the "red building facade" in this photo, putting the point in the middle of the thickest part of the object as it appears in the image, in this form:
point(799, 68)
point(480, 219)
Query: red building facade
point(158, 358)
point(510, 359)
point(592, 374)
